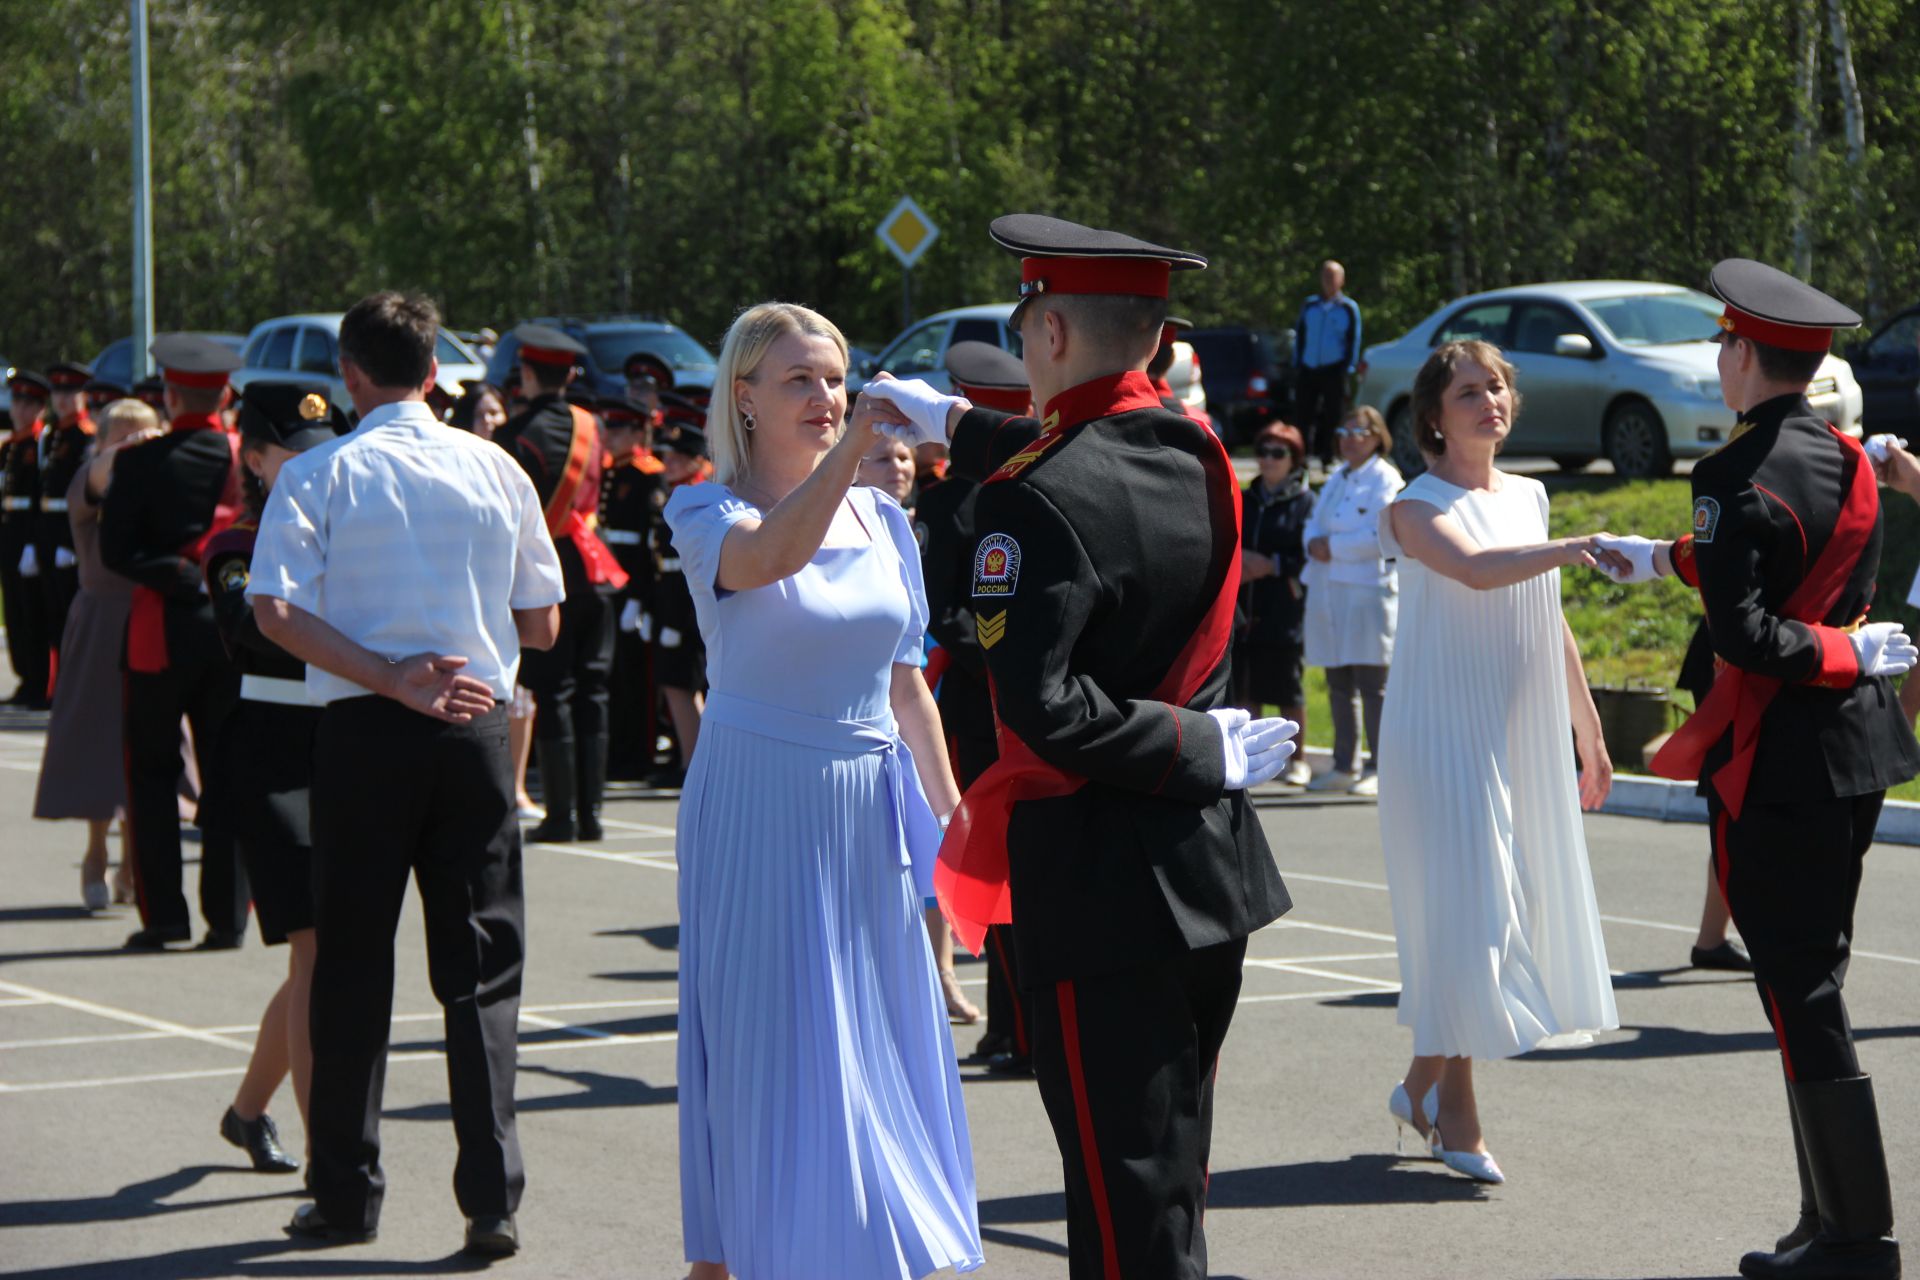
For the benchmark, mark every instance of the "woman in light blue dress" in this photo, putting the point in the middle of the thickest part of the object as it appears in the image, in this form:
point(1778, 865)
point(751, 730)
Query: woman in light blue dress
point(822, 1131)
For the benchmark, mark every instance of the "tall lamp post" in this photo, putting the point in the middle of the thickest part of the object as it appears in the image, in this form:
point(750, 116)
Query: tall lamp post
point(142, 200)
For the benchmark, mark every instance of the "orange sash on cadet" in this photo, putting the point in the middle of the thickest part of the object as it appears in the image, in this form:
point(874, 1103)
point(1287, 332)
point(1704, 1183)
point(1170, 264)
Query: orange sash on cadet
point(563, 521)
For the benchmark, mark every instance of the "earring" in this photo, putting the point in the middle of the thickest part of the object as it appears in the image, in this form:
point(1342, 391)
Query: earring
point(749, 419)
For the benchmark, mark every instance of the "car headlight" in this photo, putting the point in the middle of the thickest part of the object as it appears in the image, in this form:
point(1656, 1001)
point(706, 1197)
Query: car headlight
point(1827, 386)
point(1696, 385)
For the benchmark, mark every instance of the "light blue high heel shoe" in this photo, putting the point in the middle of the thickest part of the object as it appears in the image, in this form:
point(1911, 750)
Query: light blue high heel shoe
point(1402, 1108)
point(1473, 1164)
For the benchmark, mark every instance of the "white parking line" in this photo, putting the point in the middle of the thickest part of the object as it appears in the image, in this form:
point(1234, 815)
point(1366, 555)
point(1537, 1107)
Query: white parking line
point(126, 1016)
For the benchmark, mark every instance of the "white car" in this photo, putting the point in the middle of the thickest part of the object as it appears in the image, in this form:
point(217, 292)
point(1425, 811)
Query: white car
point(307, 349)
point(921, 349)
point(1620, 369)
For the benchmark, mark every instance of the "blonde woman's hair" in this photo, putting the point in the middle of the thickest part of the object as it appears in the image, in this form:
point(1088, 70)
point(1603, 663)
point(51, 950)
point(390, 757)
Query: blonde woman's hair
point(754, 331)
point(130, 415)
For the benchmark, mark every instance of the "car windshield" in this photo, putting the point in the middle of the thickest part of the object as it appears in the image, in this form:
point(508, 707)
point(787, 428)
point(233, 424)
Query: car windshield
point(1655, 319)
point(611, 347)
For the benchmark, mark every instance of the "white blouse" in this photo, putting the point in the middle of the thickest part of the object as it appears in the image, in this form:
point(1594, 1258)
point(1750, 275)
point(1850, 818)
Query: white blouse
point(1347, 515)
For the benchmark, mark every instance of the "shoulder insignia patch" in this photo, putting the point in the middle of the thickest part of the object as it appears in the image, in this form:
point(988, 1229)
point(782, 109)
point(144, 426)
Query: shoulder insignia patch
point(996, 567)
point(233, 575)
point(1706, 518)
point(990, 629)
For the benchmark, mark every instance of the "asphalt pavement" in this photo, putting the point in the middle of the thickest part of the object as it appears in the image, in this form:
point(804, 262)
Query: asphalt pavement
point(1661, 1151)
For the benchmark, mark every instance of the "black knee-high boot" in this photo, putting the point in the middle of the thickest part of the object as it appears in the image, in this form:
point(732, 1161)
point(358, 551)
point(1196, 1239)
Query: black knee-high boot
point(1840, 1131)
point(557, 790)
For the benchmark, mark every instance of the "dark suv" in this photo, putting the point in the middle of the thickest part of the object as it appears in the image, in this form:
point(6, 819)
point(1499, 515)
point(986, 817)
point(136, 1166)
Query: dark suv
point(1887, 367)
point(609, 341)
point(1244, 372)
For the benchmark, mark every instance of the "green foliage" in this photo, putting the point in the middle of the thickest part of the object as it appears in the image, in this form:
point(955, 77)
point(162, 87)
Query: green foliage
point(688, 157)
point(1629, 636)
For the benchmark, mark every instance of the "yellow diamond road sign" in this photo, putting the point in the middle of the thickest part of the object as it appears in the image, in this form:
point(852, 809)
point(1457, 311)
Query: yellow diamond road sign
point(908, 231)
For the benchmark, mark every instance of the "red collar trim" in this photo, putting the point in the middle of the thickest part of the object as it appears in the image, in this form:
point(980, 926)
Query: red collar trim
point(1101, 398)
point(195, 422)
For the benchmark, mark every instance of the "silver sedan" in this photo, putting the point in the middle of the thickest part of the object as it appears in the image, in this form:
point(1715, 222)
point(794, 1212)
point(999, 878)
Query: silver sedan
point(1620, 369)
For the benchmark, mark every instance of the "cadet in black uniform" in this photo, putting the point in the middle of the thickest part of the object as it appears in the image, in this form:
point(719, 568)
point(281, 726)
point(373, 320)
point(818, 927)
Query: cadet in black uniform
point(264, 763)
point(1799, 739)
point(99, 393)
point(1103, 592)
point(152, 392)
point(560, 448)
point(679, 653)
point(63, 451)
point(631, 496)
point(26, 603)
point(166, 497)
point(944, 520)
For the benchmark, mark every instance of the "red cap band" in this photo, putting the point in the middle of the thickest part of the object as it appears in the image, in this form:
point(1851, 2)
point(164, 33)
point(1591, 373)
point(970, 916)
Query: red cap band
point(1794, 337)
point(67, 381)
point(548, 355)
point(1005, 399)
point(181, 378)
point(1142, 277)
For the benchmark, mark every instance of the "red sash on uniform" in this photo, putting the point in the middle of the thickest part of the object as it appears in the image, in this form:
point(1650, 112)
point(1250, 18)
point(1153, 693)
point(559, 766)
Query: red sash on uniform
point(971, 878)
point(563, 521)
point(147, 620)
point(1740, 698)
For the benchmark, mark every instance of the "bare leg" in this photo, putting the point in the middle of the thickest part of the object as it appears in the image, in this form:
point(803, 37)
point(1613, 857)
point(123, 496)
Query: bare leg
point(123, 890)
point(93, 867)
point(685, 706)
point(1299, 716)
point(1422, 1075)
point(520, 743)
point(299, 1033)
point(941, 937)
point(1714, 915)
point(1459, 1118)
point(708, 1271)
point(268, 1066)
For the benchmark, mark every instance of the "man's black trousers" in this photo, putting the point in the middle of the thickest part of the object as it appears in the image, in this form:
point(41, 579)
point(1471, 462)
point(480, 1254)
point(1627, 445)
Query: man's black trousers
point(1320, 401)
point(1126, 1064)
point(397, 794)
point(1791, 875)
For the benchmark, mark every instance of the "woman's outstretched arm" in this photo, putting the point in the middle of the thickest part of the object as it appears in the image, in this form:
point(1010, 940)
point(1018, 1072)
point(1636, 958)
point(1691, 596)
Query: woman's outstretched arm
point(1436, 540)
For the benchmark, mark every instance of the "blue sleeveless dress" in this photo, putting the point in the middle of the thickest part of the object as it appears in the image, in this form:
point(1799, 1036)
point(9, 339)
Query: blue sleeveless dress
point(822, 1131)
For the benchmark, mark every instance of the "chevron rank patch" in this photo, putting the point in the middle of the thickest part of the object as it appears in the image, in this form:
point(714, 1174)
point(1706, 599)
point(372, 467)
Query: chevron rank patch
point(1706, 518)
point(990, 629)
point(996, 567)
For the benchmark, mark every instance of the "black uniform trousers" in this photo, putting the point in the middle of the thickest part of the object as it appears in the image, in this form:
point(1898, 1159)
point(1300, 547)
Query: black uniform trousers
point(397, 793)
point(26, 618)
point(569, 681)
point(1126, 1064)
point(1320, 401)
point(1791, 875)
point(633, 715)
point(199, 685)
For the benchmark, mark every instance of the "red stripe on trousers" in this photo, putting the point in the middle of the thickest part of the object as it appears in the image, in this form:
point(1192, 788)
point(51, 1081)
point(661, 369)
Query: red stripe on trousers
point(1779, 1031)
point(1723, 869)
point(1083, 1116)
point(994, 936)
point(129, 849)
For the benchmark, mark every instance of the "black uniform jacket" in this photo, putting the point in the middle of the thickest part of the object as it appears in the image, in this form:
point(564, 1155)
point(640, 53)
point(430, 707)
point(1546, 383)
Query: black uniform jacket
point(1115, 558)
point(631, 499)
point(229, 564)
point(943, 524)
point(160, 501)
point(19, 494)
point(63, 451)
point(539, 438)
point(1764, 508)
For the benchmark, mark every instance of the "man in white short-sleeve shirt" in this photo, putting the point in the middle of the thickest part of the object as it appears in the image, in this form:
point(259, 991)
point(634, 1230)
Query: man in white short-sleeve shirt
point(408, 564)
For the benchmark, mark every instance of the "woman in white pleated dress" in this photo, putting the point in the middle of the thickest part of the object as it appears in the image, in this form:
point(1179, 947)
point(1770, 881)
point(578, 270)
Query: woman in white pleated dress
point(1494, 912)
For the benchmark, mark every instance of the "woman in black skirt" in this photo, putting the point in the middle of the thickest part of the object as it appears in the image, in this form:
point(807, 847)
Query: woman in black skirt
point(1270, 638)
point(264, 763)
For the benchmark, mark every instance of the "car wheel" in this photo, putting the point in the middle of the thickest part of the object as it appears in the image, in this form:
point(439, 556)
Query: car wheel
point(1573, 461)
point(1636, 441)
point(1407, 458)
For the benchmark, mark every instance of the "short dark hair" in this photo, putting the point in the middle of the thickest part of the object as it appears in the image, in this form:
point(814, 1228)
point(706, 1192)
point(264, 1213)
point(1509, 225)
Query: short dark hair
point(1780, 364)
point(1128, 323)
point(1436, 375)
point(203, 400)
point(545, 377)
point(391, 336)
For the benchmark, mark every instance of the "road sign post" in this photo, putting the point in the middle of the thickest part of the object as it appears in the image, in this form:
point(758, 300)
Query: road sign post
point(907, 231)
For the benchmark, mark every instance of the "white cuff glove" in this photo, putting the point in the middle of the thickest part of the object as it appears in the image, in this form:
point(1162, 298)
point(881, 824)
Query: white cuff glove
point(1639, 554)
point(29, 562)
point(669, 638)
point(646, 627)
point(1876, 447)
point(1883, 649)
point(1256, 750)
point(630, 616)
point(63, 558)
point(925, 409)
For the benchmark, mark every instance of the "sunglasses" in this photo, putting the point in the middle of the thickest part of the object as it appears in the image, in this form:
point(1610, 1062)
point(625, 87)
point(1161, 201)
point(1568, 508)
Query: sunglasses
point(1273, 451)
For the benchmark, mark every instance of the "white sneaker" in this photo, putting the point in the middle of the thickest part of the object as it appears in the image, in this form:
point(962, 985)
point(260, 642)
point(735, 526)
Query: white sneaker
point(1332, 780)
point(1297, 774)
point(1368, 785)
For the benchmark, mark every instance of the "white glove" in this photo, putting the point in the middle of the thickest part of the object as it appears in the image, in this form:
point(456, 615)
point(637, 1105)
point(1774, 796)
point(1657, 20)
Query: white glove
point(630, 616)
point(1876, 447)
point(1883, 649)
point(63, 558)
point(1256, 750)
point(669, 638)
point(926, 410)
point(1639, 554)
point(646, 627)
point(29, 562)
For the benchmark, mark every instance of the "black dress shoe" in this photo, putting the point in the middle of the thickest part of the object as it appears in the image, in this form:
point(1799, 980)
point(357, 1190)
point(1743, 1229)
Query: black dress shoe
point(553, 831)
point(1010, 1064)
point(492, 1237)
point(310, 1224)
point(992, 1045)
point(260, 1139)
point(221, 940)
point(1729, 955)
point(157, 938)
point(590, 828)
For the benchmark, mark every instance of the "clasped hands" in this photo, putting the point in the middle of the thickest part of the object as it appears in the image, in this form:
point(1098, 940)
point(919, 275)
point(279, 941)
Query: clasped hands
point(923, 411)
point(433, 685)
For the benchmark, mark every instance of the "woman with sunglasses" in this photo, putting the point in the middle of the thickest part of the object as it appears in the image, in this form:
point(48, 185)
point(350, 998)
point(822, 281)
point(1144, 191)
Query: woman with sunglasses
point(1267, 654)
point(1353, 594)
